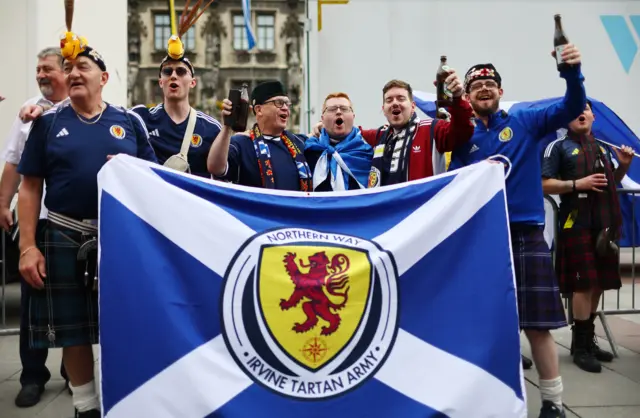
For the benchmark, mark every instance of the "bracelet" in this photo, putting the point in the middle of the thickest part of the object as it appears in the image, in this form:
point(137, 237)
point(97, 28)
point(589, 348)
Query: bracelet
point(27, 250)
point(574, 185)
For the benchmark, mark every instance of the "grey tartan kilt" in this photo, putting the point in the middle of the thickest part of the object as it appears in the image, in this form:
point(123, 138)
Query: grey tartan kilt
point(65, 312)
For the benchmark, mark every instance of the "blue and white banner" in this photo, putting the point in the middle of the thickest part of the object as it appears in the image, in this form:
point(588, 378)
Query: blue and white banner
point(606, 127)
point(228, 301)
point(246, 11)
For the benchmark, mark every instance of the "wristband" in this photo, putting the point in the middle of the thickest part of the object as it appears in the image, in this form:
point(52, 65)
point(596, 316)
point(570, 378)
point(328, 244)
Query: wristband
point(27, 250)
point(574, 185)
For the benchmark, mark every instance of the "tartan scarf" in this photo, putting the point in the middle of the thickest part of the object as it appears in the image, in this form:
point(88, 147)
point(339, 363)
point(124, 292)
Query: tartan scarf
point(264, 160)
point(598, 210)
point(392, 166)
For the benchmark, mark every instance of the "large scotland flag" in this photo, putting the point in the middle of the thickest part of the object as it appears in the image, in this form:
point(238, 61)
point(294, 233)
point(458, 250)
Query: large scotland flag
point(607, 127)
point(218, 300)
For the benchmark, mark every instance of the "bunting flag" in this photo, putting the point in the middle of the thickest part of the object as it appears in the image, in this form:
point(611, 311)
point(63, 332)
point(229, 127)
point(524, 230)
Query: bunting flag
point(229, 301)
point(607, 127)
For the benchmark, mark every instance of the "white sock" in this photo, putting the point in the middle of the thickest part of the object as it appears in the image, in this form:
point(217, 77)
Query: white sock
point(85, 397)
point(551, 390)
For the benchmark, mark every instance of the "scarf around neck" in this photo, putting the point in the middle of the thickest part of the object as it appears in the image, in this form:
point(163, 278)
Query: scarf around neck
point(390, 165)
point(350, 157)
point(264, 160)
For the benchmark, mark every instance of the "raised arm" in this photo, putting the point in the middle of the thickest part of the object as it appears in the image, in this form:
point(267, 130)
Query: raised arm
point(543, 121)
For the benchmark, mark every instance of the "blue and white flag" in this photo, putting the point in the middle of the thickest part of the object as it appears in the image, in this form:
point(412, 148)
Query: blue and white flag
point(246, 11)
point(229, 301)
point(607, 127)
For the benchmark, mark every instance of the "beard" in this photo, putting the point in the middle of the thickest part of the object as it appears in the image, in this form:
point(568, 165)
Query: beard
point(481, 110)
point(46, 89)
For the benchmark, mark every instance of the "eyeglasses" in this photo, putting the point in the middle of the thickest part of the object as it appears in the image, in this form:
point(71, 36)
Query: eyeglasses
point(180, 71)
point(334, 109)
point(487, 84)
point(279, 103)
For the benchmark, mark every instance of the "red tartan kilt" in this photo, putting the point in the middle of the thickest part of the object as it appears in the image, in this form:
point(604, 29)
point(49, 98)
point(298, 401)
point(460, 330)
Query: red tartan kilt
point(579, 268)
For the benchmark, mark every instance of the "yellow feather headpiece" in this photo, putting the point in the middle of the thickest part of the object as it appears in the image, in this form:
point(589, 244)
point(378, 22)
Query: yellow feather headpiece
point(188, 17)
point(71, 44)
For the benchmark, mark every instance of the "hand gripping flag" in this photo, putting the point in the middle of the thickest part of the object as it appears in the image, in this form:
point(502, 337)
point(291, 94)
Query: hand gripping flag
point(607, 127)
point(219, 300)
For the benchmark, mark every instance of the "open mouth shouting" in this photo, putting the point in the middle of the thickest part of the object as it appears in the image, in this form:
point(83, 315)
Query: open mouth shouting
point(283, 117)
point(396, 112)
point(485, 97)
point(173, 87)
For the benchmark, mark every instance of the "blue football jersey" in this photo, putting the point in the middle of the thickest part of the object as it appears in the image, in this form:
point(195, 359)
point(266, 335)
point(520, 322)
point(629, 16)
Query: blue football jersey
point(166, 136)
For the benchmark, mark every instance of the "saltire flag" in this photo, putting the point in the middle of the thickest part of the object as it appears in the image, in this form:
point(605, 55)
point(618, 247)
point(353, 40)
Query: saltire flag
point(246, 11)
point(218, 300)
point(607, 127)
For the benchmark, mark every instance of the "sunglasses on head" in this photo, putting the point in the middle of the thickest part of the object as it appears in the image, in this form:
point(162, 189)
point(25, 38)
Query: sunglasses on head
point(180, 71)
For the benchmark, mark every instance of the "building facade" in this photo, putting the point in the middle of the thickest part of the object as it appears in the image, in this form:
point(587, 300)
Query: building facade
point(218, 48)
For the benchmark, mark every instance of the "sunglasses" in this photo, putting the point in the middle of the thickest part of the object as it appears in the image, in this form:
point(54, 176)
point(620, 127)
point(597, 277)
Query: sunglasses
point(180, 71)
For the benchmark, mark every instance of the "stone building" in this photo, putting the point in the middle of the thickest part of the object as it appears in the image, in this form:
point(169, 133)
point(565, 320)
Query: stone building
point(217, 46)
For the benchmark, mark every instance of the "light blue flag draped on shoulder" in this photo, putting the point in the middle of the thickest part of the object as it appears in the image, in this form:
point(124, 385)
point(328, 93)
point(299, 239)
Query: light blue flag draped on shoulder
point(218, 300)
point(607, 127)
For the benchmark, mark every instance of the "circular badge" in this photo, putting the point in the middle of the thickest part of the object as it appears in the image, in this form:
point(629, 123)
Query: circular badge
point(117, 131)
point(196, 141)
point(310, 315)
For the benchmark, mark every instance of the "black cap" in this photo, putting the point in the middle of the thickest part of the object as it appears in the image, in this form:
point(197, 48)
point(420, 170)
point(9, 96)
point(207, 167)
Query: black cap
point(481, 72)
point(184, 60)
point(94, 56)
point(266, 90)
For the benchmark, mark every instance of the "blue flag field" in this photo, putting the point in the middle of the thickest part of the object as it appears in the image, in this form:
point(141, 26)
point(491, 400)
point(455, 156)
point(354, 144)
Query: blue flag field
point(218, 300)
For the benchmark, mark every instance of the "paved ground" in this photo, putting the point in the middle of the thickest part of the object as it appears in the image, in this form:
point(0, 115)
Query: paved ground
point(615, 393)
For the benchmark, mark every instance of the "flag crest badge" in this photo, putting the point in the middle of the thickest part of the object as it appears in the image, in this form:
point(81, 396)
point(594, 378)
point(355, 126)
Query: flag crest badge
point(310, 314)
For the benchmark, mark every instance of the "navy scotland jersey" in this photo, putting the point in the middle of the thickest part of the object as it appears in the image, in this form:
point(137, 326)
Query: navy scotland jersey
point(166, 136)
point(512, 138)
point(68, 154)
point(243, 168)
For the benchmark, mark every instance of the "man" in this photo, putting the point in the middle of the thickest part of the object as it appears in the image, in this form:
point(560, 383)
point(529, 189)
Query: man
point(168, 122)
point(512, 140)
point(407, 148)
point(50, 79)
point(65, 149)
point(588, 207)
point(339, 158)
point(270, 156)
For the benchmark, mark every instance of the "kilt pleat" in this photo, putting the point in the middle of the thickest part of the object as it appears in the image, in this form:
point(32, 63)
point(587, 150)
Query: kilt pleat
point(579, 268)
point(65, 308)
point(539, 303)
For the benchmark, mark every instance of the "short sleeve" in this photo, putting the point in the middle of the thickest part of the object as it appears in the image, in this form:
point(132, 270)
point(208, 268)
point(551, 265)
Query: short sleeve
point(144, 149)
point(15, 143)
point(551, 160)
point(33, 161)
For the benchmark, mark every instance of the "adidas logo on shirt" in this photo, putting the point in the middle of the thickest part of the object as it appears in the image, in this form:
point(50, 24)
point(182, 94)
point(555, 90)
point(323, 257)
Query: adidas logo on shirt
point(155, 132)
point(474, 148)
point(63, 132)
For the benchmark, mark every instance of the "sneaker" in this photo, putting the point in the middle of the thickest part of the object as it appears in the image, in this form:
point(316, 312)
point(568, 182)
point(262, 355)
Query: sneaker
point(94, 413)
point(526, 362)
point(550, 410)
point(29, 395)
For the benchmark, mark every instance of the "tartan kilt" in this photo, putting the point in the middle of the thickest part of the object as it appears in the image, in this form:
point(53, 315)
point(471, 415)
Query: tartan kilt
point(65, 306)
point(577, 265)
point(539, 303)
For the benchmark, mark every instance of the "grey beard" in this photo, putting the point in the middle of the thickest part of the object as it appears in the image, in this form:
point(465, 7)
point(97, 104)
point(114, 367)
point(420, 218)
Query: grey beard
point(46, 90)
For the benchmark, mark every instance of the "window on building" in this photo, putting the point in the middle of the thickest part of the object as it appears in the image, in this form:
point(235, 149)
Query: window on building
point(162, 33)
point(240, 41)
point(266, 31)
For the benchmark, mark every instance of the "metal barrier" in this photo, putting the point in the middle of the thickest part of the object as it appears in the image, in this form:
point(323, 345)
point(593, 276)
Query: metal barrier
point(618, 310)
point(4, 330)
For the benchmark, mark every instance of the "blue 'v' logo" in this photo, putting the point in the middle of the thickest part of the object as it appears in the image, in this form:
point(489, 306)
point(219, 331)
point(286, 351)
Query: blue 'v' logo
point(621, 37)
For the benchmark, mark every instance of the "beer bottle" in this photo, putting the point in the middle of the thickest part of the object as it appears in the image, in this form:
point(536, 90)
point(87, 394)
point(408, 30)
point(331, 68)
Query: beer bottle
point(598, 166)
point(239, 99)
point(559, 42)
point(444, 96)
